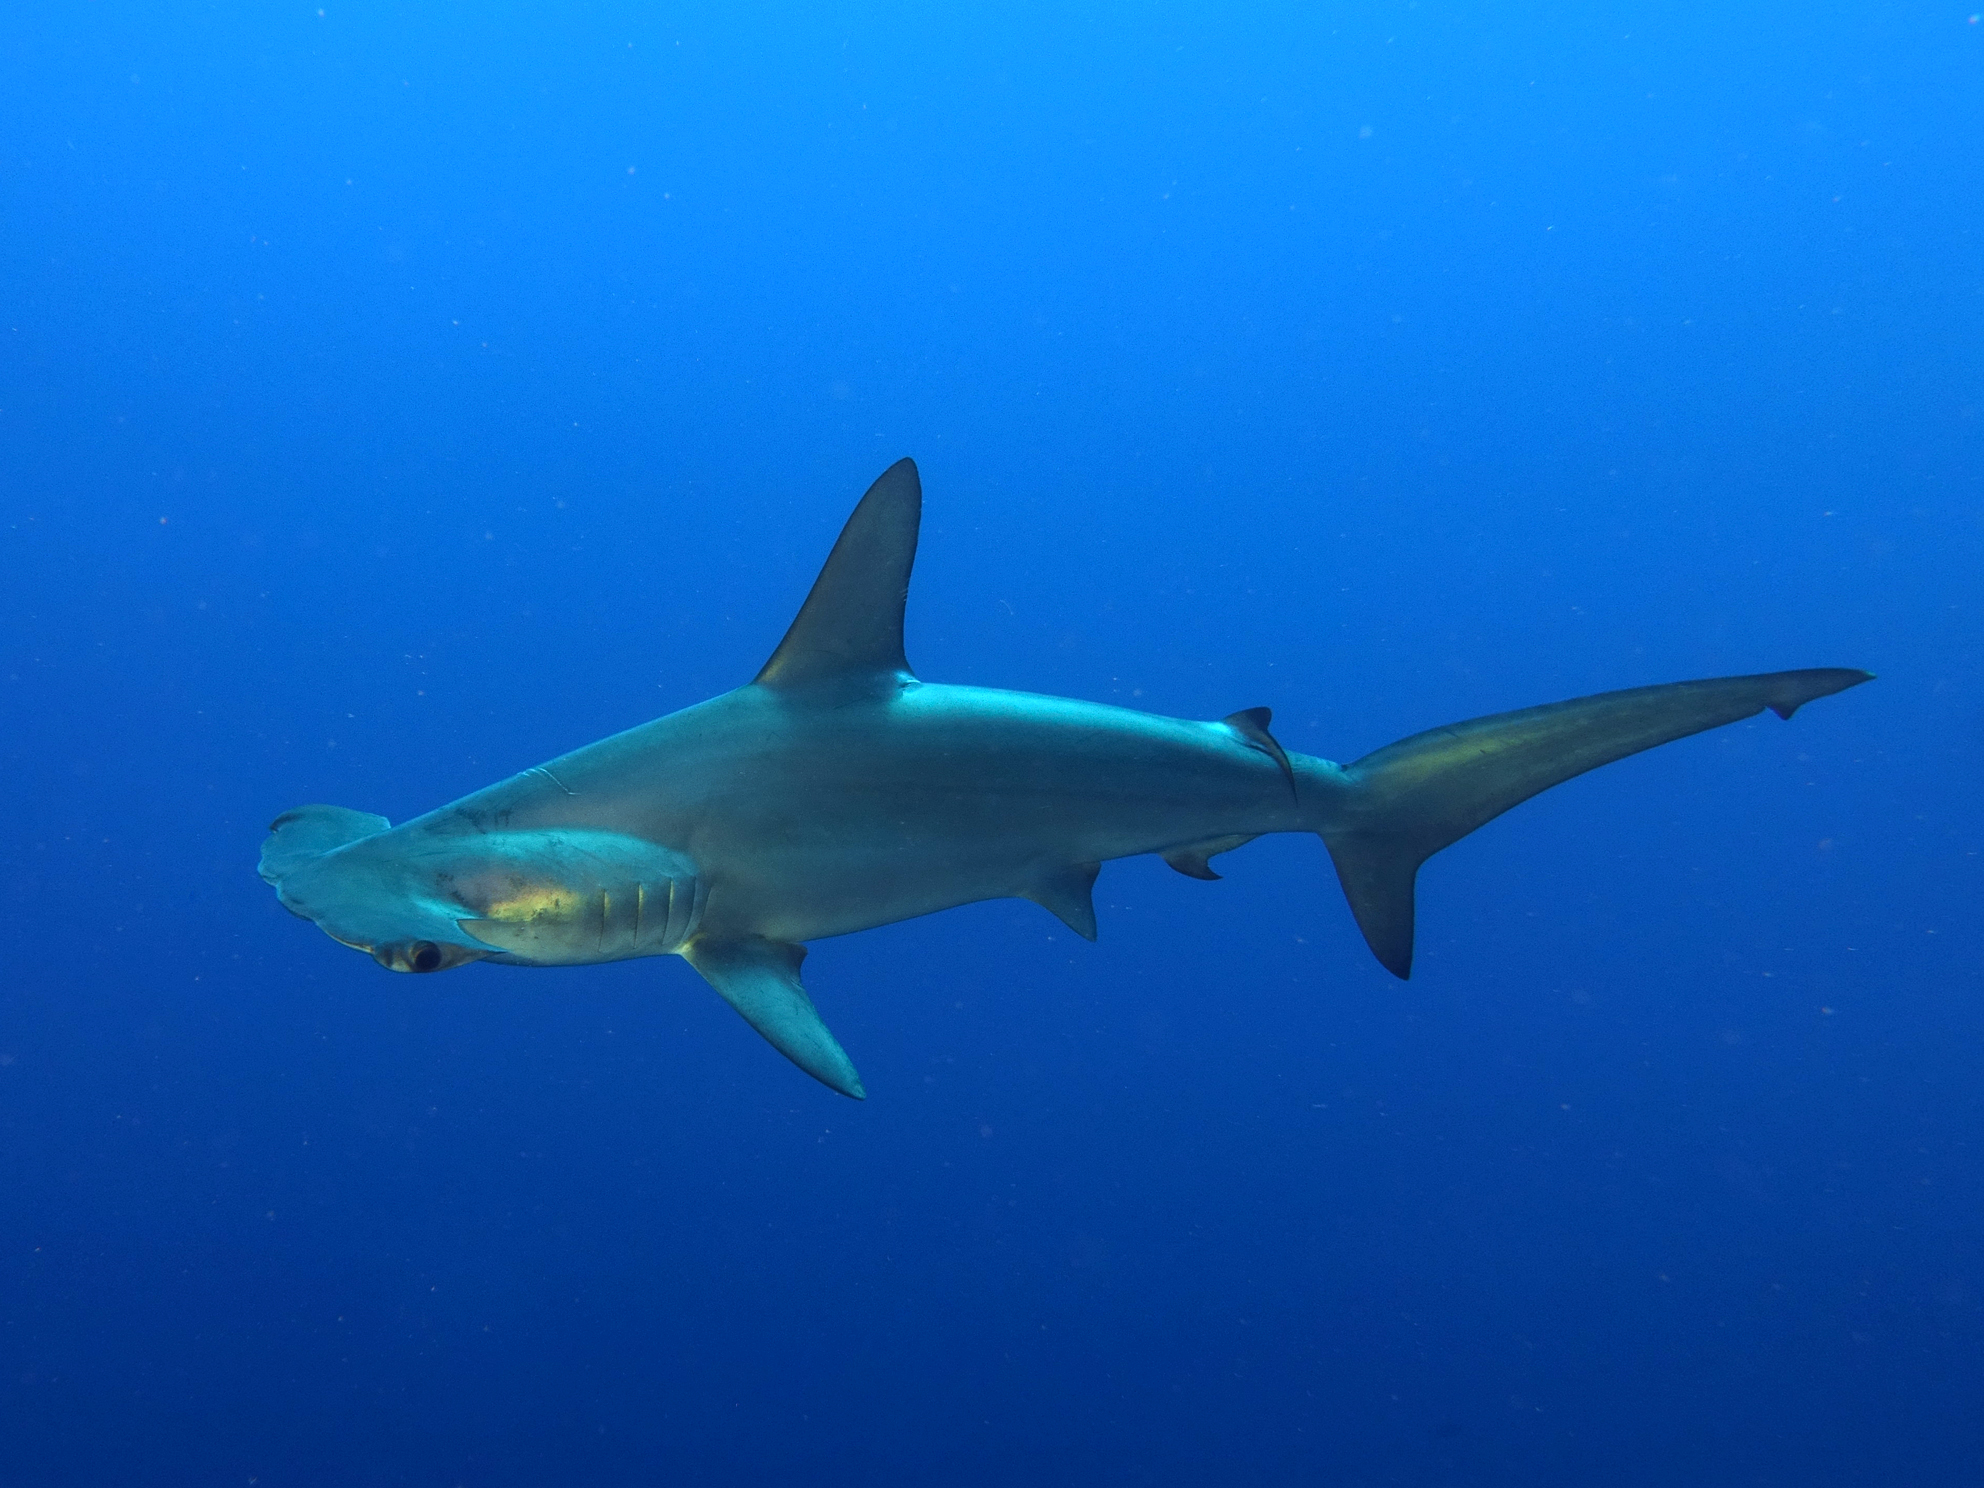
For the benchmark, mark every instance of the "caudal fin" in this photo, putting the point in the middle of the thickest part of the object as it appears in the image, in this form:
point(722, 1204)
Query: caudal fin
point(1410, 799)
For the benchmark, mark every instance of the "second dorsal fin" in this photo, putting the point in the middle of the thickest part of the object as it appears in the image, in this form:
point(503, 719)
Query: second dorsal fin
point(1251, 724)
point(851, 623)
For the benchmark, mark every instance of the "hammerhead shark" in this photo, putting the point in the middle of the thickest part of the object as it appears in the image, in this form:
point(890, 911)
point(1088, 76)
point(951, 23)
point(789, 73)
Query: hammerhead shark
point(838, 791)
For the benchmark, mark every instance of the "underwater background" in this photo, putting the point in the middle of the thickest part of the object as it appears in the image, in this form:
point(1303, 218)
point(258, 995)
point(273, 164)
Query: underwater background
point(395, 396)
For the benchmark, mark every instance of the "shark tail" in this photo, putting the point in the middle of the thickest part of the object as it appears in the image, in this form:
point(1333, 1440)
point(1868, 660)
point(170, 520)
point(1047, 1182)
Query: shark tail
point(1408, 800)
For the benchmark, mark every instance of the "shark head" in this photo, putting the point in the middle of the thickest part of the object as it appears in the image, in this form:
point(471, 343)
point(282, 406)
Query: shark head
point(421, 898)
point(345, 871)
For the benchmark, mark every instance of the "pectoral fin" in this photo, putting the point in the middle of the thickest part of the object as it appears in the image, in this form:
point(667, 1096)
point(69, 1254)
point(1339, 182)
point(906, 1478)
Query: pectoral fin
point(760, 978)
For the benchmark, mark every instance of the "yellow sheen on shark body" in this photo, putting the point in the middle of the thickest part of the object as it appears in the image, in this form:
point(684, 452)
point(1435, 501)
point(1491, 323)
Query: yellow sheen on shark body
point(546, 901)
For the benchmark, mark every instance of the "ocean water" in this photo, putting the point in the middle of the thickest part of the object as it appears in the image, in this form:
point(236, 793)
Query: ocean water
point(393, 397)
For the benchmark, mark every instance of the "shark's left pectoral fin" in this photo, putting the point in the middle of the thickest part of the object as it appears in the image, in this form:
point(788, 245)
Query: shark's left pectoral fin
point(760, 978)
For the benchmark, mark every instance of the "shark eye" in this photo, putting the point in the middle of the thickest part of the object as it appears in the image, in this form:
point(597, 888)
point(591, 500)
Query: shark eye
point(423, 955)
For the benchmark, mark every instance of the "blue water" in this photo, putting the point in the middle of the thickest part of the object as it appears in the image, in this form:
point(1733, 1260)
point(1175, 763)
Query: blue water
point(393, 397)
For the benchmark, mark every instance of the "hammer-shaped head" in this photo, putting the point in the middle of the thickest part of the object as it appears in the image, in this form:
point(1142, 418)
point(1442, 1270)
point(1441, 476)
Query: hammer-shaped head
point(423, 897)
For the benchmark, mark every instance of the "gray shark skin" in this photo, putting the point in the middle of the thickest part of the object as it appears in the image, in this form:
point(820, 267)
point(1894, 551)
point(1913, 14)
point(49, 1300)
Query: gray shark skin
point(838, 792)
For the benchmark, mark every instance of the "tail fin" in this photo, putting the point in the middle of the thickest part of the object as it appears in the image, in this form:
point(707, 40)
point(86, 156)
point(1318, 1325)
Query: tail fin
point(1410, 799)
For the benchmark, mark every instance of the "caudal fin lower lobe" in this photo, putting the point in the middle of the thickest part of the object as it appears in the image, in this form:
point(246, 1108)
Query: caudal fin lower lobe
point(1410, 799)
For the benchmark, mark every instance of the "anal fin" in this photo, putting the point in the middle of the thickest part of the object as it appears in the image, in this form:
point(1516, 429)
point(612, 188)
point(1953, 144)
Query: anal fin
point(760, 978)
point(1191, 858)
point(1068, 893)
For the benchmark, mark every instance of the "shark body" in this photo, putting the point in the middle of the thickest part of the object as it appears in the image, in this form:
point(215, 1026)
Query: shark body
point(838, 792)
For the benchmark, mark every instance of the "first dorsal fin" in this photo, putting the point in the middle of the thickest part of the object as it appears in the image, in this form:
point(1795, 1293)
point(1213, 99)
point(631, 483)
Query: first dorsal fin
point(851, 623)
